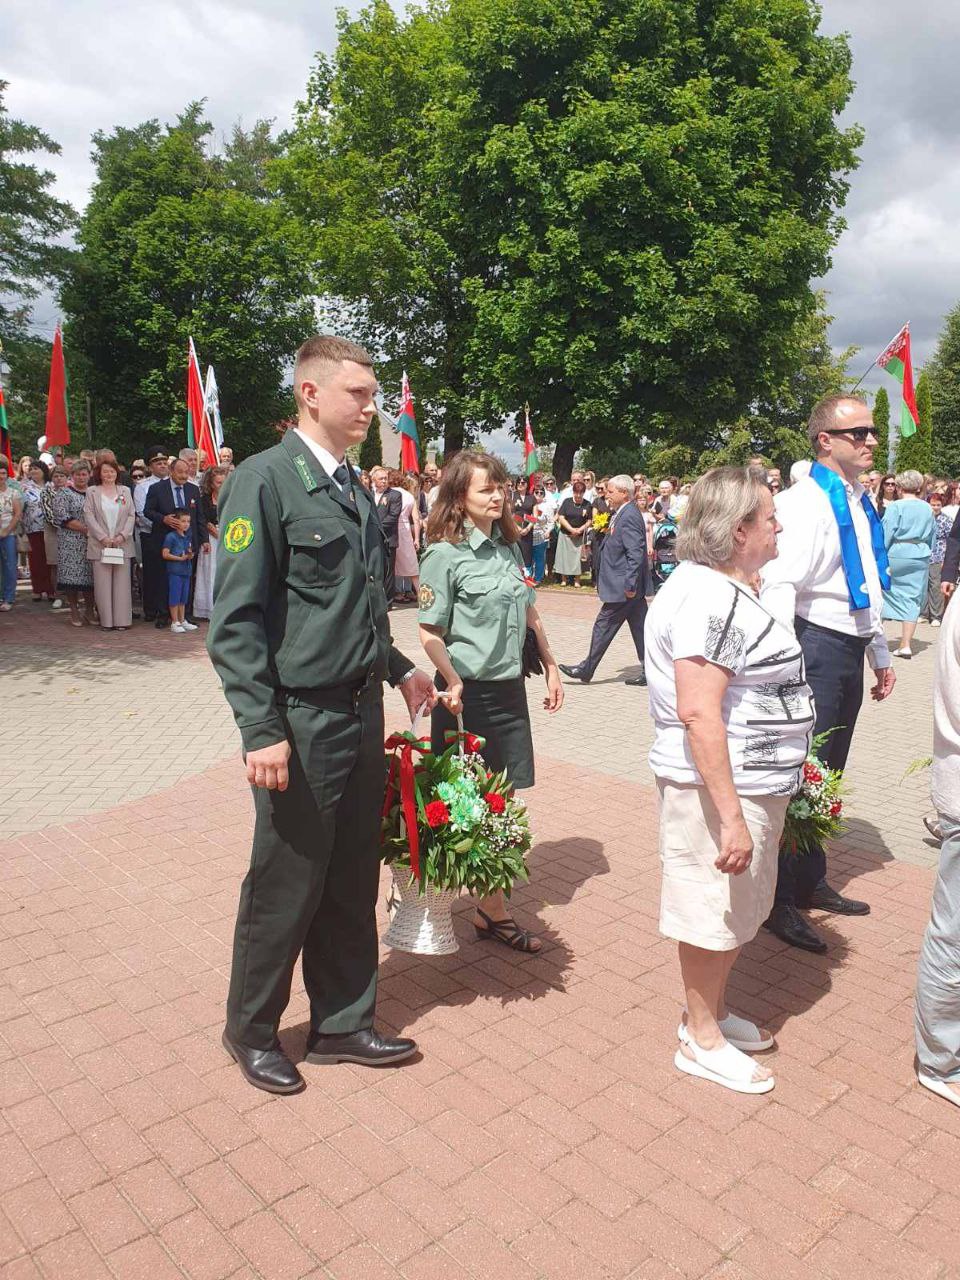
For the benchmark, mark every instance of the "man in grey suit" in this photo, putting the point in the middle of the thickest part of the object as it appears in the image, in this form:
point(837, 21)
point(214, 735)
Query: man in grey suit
point(621, 581)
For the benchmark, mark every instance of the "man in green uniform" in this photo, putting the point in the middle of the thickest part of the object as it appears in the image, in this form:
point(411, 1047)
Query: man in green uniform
point(300, 639)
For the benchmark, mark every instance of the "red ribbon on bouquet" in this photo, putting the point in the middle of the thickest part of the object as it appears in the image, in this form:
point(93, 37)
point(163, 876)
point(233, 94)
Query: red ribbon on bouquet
point(400, 780)
point(471, 743)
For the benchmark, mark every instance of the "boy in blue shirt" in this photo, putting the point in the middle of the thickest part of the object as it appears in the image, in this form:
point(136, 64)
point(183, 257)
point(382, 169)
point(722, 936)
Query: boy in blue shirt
point(178, 552)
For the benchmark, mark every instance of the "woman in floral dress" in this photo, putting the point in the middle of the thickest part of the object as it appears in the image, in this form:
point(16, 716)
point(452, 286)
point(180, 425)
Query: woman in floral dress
point(74, 570)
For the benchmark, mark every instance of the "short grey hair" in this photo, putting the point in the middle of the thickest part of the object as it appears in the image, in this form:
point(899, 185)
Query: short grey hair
point(720, 502)
point(910, 482)
point(81, 464)
point(186, 454)
point(623, 483)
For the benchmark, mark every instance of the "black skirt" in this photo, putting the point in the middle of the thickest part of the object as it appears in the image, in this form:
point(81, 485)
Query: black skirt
point(497, 711)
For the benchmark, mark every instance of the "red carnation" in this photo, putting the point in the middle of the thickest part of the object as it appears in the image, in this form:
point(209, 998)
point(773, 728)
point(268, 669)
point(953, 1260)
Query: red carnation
point(495, 802)
point(812, 774)
point(836, 809)
point(437, 813)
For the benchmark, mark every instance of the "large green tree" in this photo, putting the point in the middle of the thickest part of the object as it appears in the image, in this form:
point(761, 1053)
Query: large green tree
point(651, 184)
point(944, 373)
point(881, 420)
point(179, 241)
point(32, 220)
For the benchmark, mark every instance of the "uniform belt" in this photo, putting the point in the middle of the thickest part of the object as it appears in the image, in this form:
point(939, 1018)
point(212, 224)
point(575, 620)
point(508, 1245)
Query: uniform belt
point(338, 697)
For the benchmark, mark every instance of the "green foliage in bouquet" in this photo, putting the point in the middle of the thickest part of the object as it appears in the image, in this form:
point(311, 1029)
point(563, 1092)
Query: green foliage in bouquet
point(473, 832)
point(815, 814)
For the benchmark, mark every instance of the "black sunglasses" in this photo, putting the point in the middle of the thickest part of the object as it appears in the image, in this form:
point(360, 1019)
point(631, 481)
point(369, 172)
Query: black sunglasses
point(859, 434)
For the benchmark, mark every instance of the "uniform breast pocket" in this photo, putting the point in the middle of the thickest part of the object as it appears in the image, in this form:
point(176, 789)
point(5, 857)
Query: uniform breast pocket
point(318, 548)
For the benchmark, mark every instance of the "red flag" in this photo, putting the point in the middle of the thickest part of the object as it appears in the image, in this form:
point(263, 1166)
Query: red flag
point(199, 430)
point(896, 360)
point(58, 413)
point(407, 425)
point(531, 459)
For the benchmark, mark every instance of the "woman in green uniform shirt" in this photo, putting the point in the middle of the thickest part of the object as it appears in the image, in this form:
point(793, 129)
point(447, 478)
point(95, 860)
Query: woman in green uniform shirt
point(475, 607)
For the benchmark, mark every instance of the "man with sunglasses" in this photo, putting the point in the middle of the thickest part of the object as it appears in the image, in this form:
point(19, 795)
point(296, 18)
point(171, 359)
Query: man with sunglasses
point(827, 581)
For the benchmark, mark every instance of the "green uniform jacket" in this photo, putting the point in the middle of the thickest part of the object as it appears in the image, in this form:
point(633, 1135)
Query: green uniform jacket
point(299, 600)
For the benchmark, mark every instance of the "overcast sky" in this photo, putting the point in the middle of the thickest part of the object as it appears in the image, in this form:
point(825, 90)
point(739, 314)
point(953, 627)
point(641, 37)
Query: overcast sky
point(85, 65)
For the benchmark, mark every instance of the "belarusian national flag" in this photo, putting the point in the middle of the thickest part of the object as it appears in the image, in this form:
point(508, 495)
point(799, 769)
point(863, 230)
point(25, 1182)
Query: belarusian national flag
point(896, 360)
point(531, 460)
point(5, 449)
point(407, 426)
point(199, 431)
point(58, 411)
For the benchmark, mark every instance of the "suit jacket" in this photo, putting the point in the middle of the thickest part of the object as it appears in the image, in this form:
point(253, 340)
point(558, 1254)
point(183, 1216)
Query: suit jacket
point(96, 523)
point(389, 507)
point(160, 502)
point(951, 556)
point(623, 558)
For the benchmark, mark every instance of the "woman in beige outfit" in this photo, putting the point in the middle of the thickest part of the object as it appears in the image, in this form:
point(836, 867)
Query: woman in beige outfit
point(109, 515)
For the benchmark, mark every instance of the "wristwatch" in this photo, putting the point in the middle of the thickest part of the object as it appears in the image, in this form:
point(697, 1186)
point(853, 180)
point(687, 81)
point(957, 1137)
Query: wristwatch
point(405, 677)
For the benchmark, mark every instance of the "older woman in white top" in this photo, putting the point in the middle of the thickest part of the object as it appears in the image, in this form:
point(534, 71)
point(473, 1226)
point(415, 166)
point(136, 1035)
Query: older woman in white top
point(733, 717)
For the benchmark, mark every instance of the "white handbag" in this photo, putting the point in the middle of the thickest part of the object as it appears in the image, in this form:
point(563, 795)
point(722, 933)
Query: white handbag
point(111, 555)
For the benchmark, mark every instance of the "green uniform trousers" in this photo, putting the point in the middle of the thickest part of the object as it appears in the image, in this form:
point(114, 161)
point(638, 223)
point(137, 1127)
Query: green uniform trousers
point(314, 873)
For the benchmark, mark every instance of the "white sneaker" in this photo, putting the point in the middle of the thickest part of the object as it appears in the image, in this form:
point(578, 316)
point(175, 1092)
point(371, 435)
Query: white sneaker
point(177, 628)
point(188, 626)
point(56, 604)
point(5, 608)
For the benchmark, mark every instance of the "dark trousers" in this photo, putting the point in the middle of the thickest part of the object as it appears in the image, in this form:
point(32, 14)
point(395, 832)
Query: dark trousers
point(154, 577)
point(389, 572)
point(834, 671)
point(609, 621)
point(314, 871)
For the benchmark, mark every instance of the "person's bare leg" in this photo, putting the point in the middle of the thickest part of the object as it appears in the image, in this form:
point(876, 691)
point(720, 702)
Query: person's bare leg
point(906, 635)
point(704, 976)
point(495, 906)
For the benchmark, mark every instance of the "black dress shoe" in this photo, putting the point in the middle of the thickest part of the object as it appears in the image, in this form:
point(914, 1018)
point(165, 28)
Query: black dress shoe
point(824, 898)
point(161, 624)
point(639, 681)
point(789, 925)
point(575, 673)
point(268, 1069)
point(367, 1047)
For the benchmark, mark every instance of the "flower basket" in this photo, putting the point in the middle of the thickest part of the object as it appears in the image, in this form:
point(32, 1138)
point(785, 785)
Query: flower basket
point(815, 814)
point(448, 825)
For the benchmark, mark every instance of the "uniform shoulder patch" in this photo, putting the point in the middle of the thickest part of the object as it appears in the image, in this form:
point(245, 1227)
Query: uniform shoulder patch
point(238, 534)
point(426, 596)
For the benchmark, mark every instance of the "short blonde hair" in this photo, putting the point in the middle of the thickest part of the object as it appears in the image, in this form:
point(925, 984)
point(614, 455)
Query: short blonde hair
point(910, 482)
point(323, 353)
point(720, 501)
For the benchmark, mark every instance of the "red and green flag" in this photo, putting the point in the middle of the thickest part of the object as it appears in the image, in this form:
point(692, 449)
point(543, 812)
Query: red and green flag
point(531, 459)
point(896, 360)
point(407, 426)
point(58, 409)
point(5, 449)
point(199, 431)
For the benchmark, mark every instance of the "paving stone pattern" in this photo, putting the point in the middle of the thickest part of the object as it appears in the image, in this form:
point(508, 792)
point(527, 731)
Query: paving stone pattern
point(543, 1132)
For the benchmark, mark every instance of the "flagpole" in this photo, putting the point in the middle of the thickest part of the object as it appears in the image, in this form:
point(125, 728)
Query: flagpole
point(879, 354)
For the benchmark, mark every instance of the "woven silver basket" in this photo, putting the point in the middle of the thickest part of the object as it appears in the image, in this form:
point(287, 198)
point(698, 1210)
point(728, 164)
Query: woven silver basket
point(422, 922)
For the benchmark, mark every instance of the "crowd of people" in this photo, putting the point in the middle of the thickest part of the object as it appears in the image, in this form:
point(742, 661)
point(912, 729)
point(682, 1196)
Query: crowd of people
point(754, 607)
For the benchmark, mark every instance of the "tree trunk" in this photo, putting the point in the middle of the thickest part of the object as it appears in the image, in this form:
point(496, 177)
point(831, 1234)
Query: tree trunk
point(452, 440)
point(563, 456)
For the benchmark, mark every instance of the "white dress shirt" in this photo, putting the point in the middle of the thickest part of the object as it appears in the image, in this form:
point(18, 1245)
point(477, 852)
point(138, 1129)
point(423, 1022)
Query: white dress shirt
point(139, 498)
point(322, 455)
point(806, 579)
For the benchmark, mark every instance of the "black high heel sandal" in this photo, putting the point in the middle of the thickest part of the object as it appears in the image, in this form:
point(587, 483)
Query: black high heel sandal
point(508, 933)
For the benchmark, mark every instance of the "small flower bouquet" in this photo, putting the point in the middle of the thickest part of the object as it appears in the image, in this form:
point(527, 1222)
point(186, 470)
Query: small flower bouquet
point(600, 521)
point(815, 814)
point(448, 825)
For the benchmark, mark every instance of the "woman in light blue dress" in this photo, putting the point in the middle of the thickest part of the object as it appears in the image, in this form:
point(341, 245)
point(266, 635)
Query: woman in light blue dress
point(908, 531)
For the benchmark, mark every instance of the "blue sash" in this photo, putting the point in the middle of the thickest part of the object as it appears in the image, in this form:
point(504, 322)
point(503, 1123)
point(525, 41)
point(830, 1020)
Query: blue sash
point(836, 491)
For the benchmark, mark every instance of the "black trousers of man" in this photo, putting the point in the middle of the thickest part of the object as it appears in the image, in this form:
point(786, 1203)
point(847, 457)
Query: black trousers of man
point(314, 872)
point(834, 671)
point(389, 572)
point(606, 625)
point(154, 577)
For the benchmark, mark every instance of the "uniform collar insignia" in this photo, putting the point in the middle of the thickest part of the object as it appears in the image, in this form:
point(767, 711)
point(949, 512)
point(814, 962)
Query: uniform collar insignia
point(306, 475)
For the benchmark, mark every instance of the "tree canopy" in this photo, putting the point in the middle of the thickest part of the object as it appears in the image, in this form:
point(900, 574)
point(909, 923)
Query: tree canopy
point(612, 208)
point(177, 241)
point(944, 373)
point(915, 452)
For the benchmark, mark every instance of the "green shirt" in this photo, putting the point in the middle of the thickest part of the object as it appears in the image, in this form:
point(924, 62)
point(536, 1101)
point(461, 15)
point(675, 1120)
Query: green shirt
point(475, 593)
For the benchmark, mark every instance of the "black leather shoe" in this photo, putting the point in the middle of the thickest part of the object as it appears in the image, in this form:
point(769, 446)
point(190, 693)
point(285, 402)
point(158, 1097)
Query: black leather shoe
point(789, 925)
point(575, 673)
point(162, 623)
point(268, 1069)
point(639, 681)
point(367, 1047)
point(824, 898)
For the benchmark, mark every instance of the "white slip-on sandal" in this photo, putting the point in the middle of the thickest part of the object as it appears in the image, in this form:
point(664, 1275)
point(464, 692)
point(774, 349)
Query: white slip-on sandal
point(940, 1087)
point(726, 1066)
point(739, 1032)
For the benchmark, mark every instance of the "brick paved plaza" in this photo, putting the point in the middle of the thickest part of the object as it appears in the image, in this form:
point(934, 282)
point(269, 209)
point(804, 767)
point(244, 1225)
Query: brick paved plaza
point(544, 1131)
